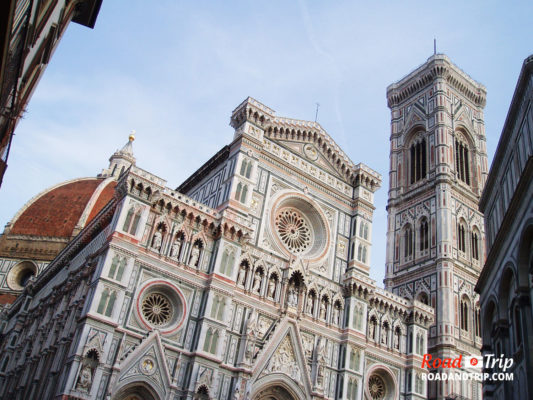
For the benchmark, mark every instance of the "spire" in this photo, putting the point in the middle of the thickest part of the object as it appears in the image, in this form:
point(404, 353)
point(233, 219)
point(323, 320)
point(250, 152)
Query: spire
point(127, 150)
point(121, 159)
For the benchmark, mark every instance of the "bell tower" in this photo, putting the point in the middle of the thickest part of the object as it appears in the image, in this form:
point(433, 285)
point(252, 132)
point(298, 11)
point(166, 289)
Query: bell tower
point(435, 233)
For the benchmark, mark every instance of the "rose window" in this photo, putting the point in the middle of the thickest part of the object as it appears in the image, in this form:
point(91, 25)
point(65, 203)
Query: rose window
point(376, 387)
point(157, 309)
point(293, 230)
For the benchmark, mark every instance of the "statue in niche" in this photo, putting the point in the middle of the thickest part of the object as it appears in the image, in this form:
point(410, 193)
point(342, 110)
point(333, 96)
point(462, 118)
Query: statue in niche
point(323, 309)
point(321, 360)
point(308, 345)
point(157, 239)
point(292, 298)
point(372, 330)
point(384, 336)
point(310, 305)
point(175, 249)
point(195, 256)
point(271, 288)
point(256, 287)
point(85, 379)
point(336, 315)
point(241, 278)
point(397, 340)
point(252, 323)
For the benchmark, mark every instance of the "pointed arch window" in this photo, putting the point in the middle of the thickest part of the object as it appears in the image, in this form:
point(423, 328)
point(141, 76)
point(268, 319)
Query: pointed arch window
point(465, 311)
point(228, 260)
point(128, 219)
point(408, 241)
point(238, 192)
point(475, 245)
point(217, 308)
point(477, 320)
point(352, 389)
point(132, 221)
point(462, 164)
point(211, 341)
point(424, 234)
point(116, 271)
point(241, 192)
point(361, 253)
point(461, 236)
point(107, 302)
point(418, 162)
point(363, 230)
point(246, 168)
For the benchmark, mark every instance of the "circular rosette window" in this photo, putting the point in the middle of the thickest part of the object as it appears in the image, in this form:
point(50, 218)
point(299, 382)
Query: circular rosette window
point(381, 384)
point(376, 387)
point(161, 305)
point(293, 230)
point(299, 226)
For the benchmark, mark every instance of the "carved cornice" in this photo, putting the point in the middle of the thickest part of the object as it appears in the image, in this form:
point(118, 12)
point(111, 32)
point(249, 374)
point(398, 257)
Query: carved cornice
point(437, 66)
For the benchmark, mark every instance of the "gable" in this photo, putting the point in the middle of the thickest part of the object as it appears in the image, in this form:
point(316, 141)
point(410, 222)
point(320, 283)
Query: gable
point(147, 363)
point(284, 358)
point(310, 153)
point(416, 116)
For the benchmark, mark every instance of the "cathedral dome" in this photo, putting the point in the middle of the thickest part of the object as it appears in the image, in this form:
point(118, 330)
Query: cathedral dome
point(64, 209)
point(46, 223)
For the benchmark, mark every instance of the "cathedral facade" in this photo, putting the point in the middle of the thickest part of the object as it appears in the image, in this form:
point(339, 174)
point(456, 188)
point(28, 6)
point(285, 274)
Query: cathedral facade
point(248, 281)
point(435, 232)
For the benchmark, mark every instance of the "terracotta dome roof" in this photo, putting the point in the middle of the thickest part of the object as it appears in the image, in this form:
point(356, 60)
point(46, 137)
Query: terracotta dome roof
point(57, 211)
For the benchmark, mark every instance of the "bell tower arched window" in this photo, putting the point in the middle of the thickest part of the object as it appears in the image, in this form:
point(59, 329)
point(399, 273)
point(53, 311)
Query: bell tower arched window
point(462, 165)
point(475, 244)
point(465, 311)
point(461, 236)
point(418, 160)
point(424, 234)
point(408, 241)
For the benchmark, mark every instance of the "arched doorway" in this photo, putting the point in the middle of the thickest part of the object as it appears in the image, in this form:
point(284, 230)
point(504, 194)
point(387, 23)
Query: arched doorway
point(135, 392)
point(275, 392)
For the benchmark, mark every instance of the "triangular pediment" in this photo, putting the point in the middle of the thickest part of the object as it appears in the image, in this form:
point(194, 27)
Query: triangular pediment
point(310, 141)
point(284, 355)
point(311, 154)
point(146, 363)
point(415, 116)
point(464, 117)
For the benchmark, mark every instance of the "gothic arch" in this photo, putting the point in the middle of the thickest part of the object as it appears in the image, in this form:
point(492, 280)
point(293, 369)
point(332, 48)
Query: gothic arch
point(465, 133)
point(137, 390)
point(525, 255)
point(416, 131)
point(506, 289)
point(489, 314)
point(268, 388)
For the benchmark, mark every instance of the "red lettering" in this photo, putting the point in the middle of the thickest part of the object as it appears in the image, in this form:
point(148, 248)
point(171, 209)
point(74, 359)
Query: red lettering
point(425, 360)
point(459, 361)
point(437, 363)
point(447, 363)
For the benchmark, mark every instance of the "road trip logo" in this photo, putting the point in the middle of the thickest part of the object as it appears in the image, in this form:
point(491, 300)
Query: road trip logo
point(486, 368)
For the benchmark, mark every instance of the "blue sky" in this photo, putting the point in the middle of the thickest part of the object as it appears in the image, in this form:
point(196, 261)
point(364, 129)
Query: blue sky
point(174, 71)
